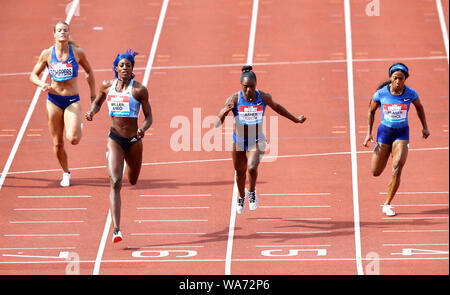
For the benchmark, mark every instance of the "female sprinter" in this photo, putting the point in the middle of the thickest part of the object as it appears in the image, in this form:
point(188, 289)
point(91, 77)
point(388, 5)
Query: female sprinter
point(248, 106)
point(395, 98)
point(124, 97)
point(63, 101)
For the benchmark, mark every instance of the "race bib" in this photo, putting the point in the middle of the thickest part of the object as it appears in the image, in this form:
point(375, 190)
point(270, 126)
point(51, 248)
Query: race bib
point(61, 71)
point(395, 112)
point(251, 115)
point(118, 105)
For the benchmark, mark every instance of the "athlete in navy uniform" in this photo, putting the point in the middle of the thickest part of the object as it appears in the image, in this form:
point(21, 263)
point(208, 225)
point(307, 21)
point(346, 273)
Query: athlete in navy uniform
point(63, 100)
point(124, 97)
point(394, 98)
point(248, 106)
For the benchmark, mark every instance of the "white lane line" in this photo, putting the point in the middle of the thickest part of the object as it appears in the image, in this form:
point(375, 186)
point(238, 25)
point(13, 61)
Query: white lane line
point(172, 220)
point(101, 248)
point(289, 246)
point(155, 42)
point(396, 245)
point(49, 209)
point(416, 231)
point(50, 197)
point(300, 62)
point(297, 194)
point(295, 232)
point(293, 219)
point(419, 205)
point(40, 235)
point(231, 228)
point(148, 68)
point(415, 193)
point(443, 25)
point(422, 217)
point(46, 221)
point(224, 159)
point(164, 234)
point(198, 195)
point(251, 39)
point(30, 111)
point(351, 105)
point(299, 206)
point(41, 248)
point(169, 208)
point(153, 247)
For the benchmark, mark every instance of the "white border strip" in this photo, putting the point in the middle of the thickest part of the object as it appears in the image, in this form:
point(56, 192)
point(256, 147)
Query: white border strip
point(162, 15)
point(30, 111)
point(443, 25)
point(351, 105)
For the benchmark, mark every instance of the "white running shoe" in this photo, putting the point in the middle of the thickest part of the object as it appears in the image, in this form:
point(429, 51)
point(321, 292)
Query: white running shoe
point(240, 204)
point(252, 200)
point(65, 182)
point(387, 209)
point(117, 236)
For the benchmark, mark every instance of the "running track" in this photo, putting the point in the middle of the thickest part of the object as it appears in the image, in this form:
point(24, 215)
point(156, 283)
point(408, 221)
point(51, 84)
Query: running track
point(319, 206)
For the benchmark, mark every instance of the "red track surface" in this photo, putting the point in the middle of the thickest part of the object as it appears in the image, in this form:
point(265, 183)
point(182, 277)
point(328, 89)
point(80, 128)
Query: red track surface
point(176, 219)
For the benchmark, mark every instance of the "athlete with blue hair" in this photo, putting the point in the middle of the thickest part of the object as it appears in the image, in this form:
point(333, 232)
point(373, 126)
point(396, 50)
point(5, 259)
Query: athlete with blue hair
point(394, 98)
point(124, 97)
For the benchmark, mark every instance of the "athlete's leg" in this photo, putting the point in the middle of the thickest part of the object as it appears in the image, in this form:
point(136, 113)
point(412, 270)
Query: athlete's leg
point(254, 155)
point(56, 127)
point(115, 170)
point(73, 121)
point(399, 155)
point(240, 166)
point(133, 158)
point(380, 158)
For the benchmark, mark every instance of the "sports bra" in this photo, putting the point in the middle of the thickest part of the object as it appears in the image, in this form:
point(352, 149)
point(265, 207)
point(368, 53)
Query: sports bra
point(61, 71)
point(122, 104)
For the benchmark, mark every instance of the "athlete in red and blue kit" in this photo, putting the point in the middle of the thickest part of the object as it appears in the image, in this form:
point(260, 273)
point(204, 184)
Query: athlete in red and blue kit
point(394, 98)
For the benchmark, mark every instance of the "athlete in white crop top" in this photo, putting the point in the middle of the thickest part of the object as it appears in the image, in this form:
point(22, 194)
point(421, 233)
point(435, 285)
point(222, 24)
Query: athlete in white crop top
point(124, 97)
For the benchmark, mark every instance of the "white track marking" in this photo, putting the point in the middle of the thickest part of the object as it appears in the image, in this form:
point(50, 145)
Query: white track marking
point(351, 104)
point(299, 62)
point(223, 159)
point(443, 25)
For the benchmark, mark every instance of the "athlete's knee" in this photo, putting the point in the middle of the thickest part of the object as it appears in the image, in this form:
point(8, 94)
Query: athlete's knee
point(58, 145)
point(115, 182)
point(376, 172)
point(133, 180)
point(253, 169)
point(397, 169)
point(74, 139)
point(240, 172)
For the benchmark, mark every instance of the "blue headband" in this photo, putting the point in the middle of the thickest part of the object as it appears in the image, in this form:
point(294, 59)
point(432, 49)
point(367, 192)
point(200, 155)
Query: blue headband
point(129, 54)
point(399, 67)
